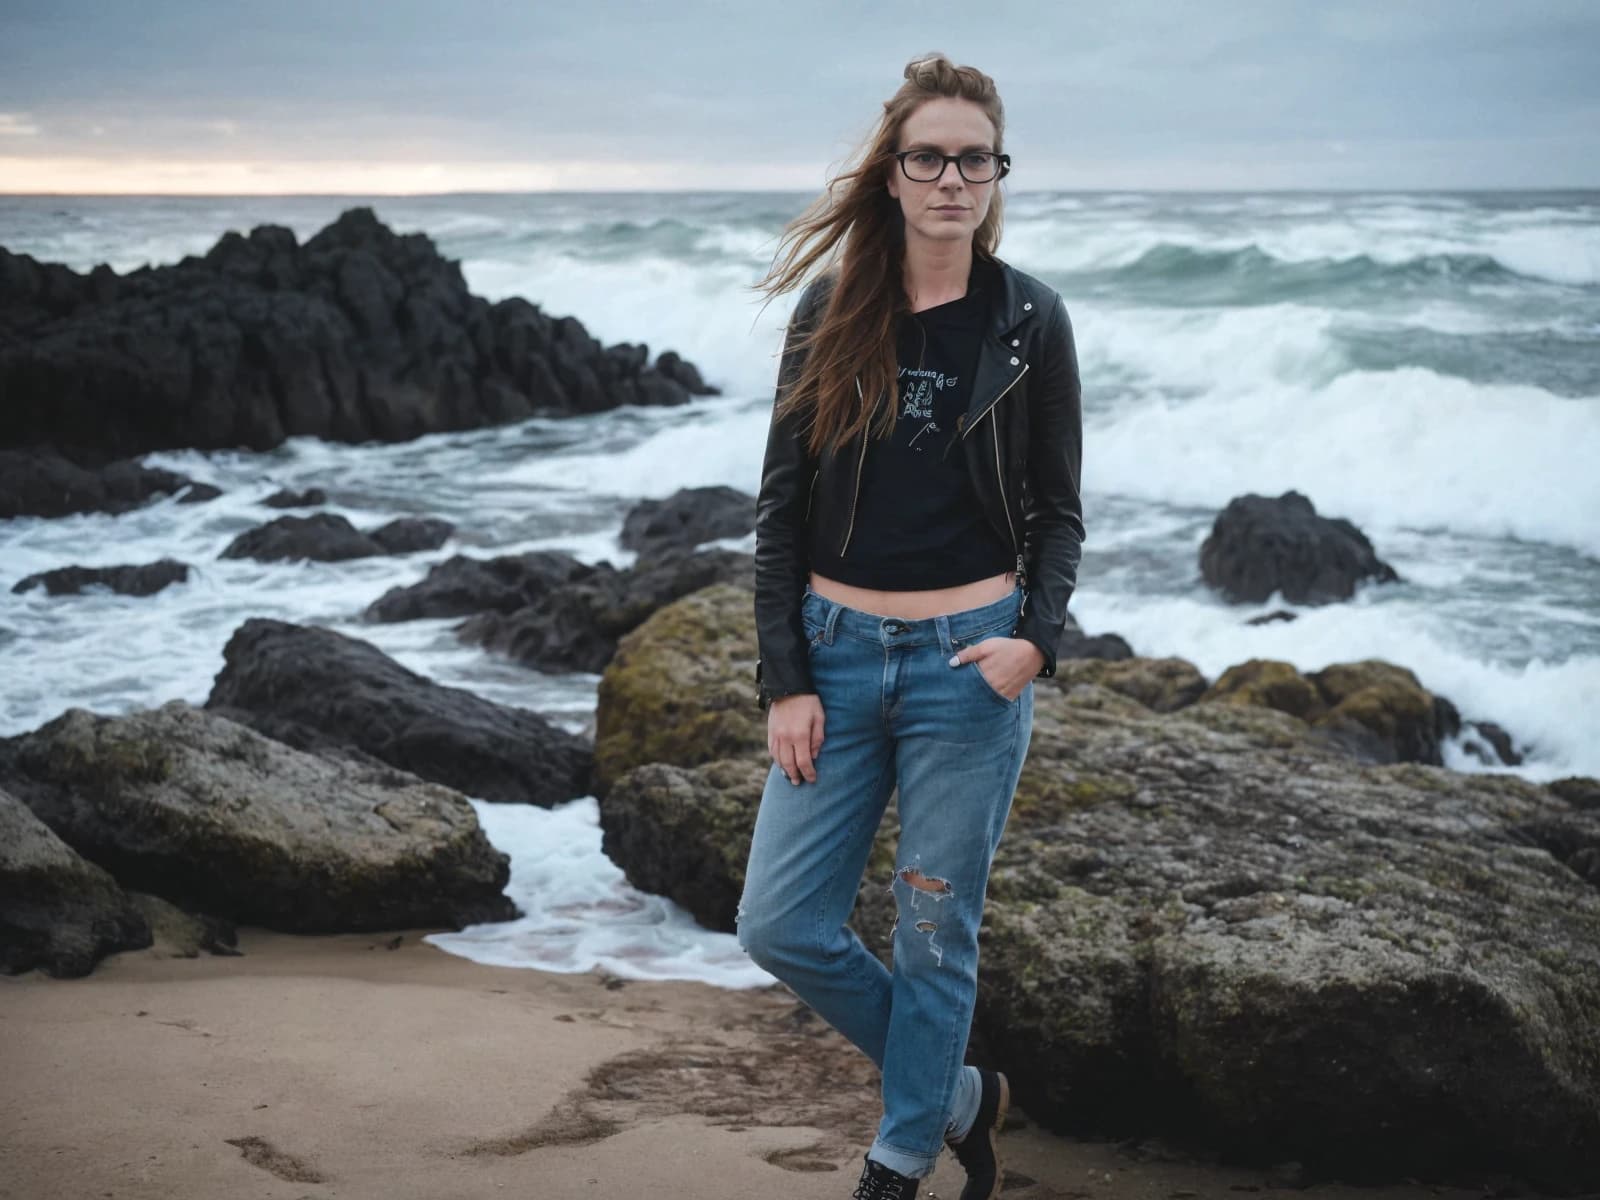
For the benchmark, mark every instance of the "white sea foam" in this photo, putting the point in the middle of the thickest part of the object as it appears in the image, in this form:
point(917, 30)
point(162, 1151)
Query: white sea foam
point(580, 913)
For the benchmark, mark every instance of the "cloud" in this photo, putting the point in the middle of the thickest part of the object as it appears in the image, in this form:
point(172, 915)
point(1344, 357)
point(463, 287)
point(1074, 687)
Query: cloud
point(712, 93)
point(17, 125)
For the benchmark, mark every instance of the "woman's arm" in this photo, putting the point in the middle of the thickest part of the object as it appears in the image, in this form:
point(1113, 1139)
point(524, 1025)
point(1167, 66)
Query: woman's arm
point(1054, 514)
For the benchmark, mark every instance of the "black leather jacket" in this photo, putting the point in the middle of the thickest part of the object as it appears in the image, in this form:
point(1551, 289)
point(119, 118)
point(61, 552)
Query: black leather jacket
point(1022, 436)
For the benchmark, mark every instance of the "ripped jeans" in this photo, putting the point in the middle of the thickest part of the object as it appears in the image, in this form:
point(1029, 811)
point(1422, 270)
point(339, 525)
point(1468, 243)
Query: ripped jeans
point(896, 714)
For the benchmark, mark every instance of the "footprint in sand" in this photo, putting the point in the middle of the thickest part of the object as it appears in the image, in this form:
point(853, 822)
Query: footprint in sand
point(259, 1152)
point(801, 1158)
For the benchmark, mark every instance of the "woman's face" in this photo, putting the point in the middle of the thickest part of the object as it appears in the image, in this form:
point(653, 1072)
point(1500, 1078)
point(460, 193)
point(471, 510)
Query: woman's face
point(947, 208)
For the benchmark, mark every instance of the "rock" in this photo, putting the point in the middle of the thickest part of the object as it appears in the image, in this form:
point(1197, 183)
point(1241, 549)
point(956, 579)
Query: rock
point(1495, 746)
point(322, 691)
point(126, 580)
point(210, 815)
point(1160, 684)
point(677, 690)
point(41, 483)
point(1580, 791)
point(1075, 643)
point(180, 934)
point(409, 535)
point(685, 832)
point(328, 537)
point(461, 586)
point(198, 493)
point(1377, 711)
point(575, 625)
point(686, 518)
point(1259, 545)
point(58, 912)
point(1207, 924)
point(285, 498)
point(360, 334)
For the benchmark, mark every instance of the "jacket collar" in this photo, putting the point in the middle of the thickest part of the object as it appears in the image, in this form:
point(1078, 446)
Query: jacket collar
point(1013, 303)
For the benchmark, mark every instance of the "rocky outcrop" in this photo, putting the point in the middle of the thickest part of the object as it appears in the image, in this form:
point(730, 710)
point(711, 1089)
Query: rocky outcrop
point(1211, 923)
point(1378, 711)
point(461, 586)
point(328, 537)
point(58, 912)
point(360, 334)
point(322, 691)
point(575, 625)
point(127, 580)
point(1260, 545)
point(42, 483)
point(212, 816)
point(686, 518)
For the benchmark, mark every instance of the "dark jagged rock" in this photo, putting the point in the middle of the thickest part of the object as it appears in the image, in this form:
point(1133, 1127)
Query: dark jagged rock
point(42, 483)
point(286, 498)
point(328, 537)
point(1260, 545)
point(58, 912)
point(411, 535)
point(145, 580)
point(210, 815)
point(361, 334)
point(322, 691)
point(686, 518)
point(575, 625)
point(1077, 644)
point(461, 586)
point(1496, 745)
point(1205, 925)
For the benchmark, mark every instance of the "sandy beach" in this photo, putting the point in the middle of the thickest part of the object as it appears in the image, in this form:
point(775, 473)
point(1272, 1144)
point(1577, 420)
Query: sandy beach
point(380, 1066)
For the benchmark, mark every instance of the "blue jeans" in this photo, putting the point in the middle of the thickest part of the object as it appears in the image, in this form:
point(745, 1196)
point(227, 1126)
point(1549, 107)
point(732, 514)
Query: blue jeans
point(896, 714)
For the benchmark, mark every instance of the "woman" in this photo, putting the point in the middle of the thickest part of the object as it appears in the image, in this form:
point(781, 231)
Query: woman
point(918, 536)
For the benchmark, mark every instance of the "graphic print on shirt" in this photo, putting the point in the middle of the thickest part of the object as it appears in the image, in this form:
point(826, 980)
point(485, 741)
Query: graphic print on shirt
point(918, 389)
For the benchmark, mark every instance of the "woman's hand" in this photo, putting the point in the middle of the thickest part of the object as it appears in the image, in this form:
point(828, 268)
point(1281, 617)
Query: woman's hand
point(794, 734)
point(1008, 663)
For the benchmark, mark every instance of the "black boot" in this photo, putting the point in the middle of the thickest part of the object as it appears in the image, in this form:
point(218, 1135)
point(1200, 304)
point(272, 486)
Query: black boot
point(979, 1151)
point(879, 1182)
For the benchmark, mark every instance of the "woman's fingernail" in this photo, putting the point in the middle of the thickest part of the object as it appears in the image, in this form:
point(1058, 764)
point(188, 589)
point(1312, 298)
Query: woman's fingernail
point(955, 660)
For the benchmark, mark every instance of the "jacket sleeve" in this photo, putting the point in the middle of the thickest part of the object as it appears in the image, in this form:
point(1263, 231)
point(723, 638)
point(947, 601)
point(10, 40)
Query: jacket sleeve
point(1054, 509)
point(782, 559)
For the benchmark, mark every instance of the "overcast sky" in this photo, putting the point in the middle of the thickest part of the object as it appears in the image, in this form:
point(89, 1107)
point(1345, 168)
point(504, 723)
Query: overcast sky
point(467, 95)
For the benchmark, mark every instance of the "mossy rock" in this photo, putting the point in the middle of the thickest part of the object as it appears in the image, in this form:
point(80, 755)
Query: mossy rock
point(680, 688)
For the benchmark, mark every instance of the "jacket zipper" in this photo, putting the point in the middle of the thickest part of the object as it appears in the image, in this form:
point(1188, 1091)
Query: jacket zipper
point(1022, 570)
point(856, 495)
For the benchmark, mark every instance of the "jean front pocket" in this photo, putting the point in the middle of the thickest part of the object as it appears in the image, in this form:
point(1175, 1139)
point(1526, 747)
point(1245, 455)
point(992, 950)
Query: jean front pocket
point(975, 669)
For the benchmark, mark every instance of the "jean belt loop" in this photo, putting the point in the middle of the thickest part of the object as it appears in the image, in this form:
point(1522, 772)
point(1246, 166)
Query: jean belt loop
point(831, 621)
point(946, 641)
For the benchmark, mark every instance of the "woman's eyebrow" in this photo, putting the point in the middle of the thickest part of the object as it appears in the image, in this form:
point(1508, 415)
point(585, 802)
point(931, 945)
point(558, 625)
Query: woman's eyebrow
point(933, 146)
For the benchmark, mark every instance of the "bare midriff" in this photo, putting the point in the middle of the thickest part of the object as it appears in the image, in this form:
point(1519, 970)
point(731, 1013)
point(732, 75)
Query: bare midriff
point(917, 605)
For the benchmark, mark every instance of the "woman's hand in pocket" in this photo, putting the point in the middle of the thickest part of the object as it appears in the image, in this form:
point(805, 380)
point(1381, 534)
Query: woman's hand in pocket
point(794, 734)
point(1008, 663)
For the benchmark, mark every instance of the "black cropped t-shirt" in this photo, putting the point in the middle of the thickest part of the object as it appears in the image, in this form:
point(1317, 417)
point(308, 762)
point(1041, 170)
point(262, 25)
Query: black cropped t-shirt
point(918, 523)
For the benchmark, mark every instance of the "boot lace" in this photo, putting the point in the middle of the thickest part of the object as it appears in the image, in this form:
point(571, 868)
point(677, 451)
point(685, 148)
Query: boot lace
point(879, 1182)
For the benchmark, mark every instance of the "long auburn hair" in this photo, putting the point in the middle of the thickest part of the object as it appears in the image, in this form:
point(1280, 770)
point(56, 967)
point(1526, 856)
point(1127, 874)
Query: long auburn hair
point(854, 335)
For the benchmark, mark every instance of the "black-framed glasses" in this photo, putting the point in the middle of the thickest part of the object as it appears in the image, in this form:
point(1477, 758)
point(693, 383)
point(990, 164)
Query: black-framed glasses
point(976, 166)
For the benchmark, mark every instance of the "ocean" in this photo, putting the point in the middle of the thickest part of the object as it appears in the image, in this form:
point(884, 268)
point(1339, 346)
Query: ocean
point(1424, 364)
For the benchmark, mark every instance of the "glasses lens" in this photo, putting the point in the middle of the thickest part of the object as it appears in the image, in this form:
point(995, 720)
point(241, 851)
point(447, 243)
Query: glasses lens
point(923, 165)
point(979, 168)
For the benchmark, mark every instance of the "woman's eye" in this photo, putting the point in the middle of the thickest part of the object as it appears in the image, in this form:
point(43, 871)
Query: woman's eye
point(977, 160)
point(923, 159)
